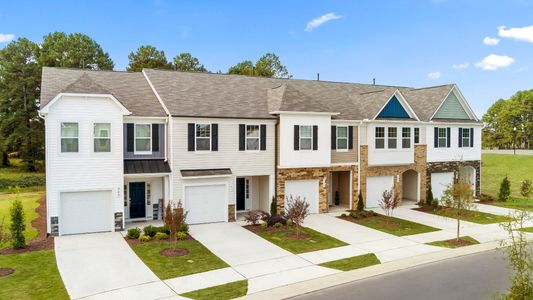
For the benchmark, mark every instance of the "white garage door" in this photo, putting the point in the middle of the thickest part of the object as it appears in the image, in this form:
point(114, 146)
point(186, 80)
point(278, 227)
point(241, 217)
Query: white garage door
point(307, 189)
point(84, 212)
point(440, 182)
point(375, 186)
point(206, 203)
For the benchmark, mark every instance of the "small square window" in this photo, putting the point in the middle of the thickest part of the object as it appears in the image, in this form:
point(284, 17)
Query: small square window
point(69, 137)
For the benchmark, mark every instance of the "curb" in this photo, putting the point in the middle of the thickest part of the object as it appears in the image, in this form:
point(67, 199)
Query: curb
point(321, 283)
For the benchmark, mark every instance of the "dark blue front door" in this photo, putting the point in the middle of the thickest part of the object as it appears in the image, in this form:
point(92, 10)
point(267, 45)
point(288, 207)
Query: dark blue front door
point(137, 200)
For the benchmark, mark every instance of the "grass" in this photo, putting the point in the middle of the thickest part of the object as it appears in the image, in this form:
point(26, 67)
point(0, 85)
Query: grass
point(315, 240)
point(394, 226)
point(199, 259)
point(36, 276)
point(352, 263)
point(515, 203)
point(226, 291)
point(469, 215)
point(16, 175)
point(30, 201)
point(449, 243)
point(527, 229)
point(496, 166)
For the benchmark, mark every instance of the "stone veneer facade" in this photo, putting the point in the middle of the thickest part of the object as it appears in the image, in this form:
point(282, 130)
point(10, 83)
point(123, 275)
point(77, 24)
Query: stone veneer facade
point(419, 165)
point(231, 212)
point(453, 166)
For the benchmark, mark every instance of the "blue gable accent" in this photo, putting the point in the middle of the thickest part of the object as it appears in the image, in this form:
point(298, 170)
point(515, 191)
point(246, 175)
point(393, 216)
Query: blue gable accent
point(394, 109)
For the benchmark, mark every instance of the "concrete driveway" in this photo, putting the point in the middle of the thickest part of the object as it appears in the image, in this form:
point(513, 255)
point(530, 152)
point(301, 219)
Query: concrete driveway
point(103, 266)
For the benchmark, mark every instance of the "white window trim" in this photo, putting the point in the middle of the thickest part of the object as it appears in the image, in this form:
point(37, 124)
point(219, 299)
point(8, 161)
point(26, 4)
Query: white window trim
point(463, 138)
point(347, 139)
point(135, 139)
point(210, 138)
point(300, 138)
point(414, 135)
point(384, 138)
point(445, 138)
point(61, 138)
point(410, 138)
point(109, 138)
point(246, 138)
point(396, 138)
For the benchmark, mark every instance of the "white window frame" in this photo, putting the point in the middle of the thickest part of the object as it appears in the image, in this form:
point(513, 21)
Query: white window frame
point(467, 130)
point(197, 137)
point(246, 138)
point(310, 138)
point(135, 139)
point(102, 138)
point(61, 137)
point(389, 138)
point(408, 138)
point(445, 137)
point(342, 138)
point(416, 133)
point(380, 138)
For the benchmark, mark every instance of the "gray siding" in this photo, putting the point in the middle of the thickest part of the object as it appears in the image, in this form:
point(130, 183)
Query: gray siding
point(158, 154)
point(451, 109)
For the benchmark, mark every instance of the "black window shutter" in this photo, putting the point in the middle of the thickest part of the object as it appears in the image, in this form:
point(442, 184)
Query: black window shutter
point(471, 137)
point(242, 135)
point(130, 137)
point(214, 137)
point(155, 137)
point(436, 138)
point(296, 137)
point(263, 141)
point(448, 133)
point(315, 137)
point(190, 138)
point(333, 137)
point(460, 137)
point(350, 137)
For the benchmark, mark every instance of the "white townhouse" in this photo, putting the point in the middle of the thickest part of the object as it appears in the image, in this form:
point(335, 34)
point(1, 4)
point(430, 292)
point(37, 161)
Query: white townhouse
point(120, 146)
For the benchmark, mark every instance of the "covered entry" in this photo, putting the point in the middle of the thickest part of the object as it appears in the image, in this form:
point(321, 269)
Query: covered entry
point(468, 174)
point(410, 186)
point(339, 189)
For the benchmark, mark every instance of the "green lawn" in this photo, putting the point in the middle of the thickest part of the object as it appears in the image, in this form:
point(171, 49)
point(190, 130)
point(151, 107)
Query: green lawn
point(448, 244)
point(516, 203)
point(199, 259)
point(469, 215)
point(352, 263)
point(30, 201)
point(496, 166)
point(226, 291)
point(527, 229)
point(394, 226)
point(16, 176)
point(315, 240)
point(36, 277)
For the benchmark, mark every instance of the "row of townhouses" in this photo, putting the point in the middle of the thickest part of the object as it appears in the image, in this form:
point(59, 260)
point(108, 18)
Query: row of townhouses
point(120, 145)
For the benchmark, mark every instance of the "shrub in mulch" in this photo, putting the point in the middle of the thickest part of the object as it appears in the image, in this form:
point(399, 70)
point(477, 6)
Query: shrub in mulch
point(6, 271)
point(173, 252)
point(155, 240)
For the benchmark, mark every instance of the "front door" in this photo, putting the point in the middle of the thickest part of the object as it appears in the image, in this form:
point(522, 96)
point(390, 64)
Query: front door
point(240, 194)
point(137, 200)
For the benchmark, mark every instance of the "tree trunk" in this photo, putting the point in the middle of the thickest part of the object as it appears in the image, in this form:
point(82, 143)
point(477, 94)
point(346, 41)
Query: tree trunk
point(458, 227)
point(5, 159)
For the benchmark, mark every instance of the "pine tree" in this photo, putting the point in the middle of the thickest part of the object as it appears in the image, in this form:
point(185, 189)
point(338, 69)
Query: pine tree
point(505, 190)
point(17, 226)
point(429, 196)
point(273, 207)
point(360, 203)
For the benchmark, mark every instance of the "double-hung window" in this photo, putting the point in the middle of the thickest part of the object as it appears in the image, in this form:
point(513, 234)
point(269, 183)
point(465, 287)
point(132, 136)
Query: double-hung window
point(342, 138)
point(392, 137)
point(406, 137)
point(203, 137)
point(252, 137)
point(69, 137)
point(417, 135)
point(102, 137)
point(143, 138)
point(465, 137)
point(306, 137)
point(380, 137)
point(442, 138)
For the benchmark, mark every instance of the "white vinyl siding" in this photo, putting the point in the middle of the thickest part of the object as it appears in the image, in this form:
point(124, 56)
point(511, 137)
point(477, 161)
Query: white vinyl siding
point(102, 137)
point(69, 137)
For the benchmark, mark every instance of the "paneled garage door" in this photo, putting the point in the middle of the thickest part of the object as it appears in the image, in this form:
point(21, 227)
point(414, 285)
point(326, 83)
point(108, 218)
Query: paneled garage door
point(85, 212)
point(206, 203)
point(307, 189)
point(375, 186)
point(440, 182)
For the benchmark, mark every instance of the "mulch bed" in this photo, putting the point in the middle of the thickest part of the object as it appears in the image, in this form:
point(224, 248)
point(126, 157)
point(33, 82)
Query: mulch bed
point(6, 271)
point(154, 240)
point(259, 229)
point(42, 241)
point(460, 242)
point(384, 223)
point(172, 252)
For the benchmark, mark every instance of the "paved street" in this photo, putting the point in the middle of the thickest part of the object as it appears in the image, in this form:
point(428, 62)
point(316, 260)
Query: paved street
point(476, 276)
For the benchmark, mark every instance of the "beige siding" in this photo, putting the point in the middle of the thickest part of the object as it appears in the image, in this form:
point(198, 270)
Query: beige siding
point(349, 156)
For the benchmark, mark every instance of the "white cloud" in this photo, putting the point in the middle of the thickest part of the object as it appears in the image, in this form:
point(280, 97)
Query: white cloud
point(489, 41)
point(321, 20)
point(519, 33)
point(434, 75)
point(6, 38)
point(461, 66)
point(494, 62)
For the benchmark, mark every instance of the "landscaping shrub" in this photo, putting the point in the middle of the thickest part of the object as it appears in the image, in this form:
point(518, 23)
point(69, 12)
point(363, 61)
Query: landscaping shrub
point(505, 190)
point(363, 214)
point(360, 203)
point(429, 196)
point(150, 230)
point(26, 181)
point(525, 188)
point(271, 220)
point(144, 238)
point(273, 207)
point(174, 218)
point(354, 215)
point(133, 233)
point(252, 217)
point(277, 225)
point(264, 225)
point(184, 228)
point(163, 229)
point(181, 235)
point(161, 236)
point(372, 213)
point(435, 203)
point(289, 223)
point(297, 211)
point(486, 198)
point(17, 224)
point(389, 201)
point(343, 215)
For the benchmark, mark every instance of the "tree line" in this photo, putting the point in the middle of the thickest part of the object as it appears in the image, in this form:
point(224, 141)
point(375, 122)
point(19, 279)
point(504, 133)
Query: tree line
point(509, 122)
point(21, 63)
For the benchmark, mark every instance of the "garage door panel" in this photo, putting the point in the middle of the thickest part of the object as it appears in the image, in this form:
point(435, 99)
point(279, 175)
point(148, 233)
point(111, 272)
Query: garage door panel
point(307, 189)
point(206, 203)
point(86, 212)
point(440, 182)
point(375, 186)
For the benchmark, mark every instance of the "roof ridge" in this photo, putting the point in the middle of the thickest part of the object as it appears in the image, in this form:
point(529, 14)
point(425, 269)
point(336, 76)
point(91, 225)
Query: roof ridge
point(80, 79)
point(433, 87)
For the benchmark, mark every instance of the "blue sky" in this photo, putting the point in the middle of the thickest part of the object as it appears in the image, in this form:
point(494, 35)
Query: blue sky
point(407, 43)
